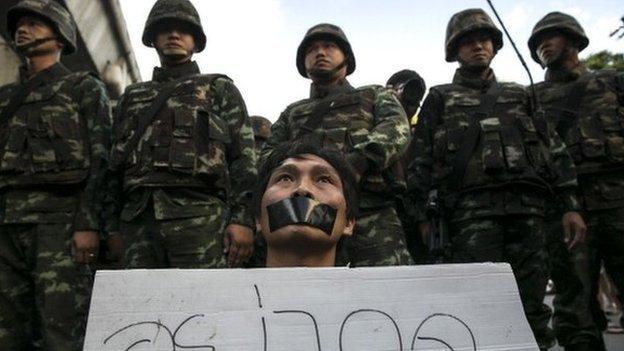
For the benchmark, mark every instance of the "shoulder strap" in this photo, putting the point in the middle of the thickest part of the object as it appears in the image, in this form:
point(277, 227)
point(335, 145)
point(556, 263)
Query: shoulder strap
point(570, 105)
point(18, 97)
point(471, 137)
point(147, 118)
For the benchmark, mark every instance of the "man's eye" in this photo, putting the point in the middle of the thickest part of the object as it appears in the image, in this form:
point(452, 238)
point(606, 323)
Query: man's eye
point(326, 179)
point(284, 178)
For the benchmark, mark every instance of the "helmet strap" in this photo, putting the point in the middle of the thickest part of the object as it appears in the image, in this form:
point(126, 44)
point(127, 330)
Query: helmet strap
point(324, 76)
point(25, 47)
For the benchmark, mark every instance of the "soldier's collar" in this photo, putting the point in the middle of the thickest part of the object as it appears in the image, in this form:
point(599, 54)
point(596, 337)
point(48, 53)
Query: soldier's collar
point(463, 78)
point(562, 75)
point(165, 74)
point(49, 74)
point(320, 91)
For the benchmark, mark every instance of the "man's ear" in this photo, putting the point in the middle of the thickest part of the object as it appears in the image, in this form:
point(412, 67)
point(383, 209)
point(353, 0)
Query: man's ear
point(349, 227)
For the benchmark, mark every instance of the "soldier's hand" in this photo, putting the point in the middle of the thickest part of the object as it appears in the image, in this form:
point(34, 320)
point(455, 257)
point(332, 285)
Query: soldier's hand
point(574, 228)
point(85, 244)
point(424, 228)
point(116, 248)
point(238, 244)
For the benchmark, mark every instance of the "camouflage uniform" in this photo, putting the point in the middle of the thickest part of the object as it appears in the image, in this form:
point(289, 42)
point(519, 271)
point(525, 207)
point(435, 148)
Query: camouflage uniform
point(495, 211)
point(593, 132)
point(262, 131)
point(370, 126)
point(54, 152)
point(191, 173)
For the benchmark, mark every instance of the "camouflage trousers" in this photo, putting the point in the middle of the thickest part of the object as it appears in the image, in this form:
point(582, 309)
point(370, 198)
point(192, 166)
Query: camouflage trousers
point(605, 243)
point(194, 242)
point(518, 240)
point(379, 240)
point(573, 322)
point(44, 296)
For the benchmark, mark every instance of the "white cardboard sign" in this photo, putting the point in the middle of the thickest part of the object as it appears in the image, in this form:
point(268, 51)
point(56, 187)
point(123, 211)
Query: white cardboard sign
point(442, 307)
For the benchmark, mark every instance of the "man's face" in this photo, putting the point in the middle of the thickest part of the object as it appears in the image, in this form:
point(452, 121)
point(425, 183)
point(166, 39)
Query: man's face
point(475, 50)
point(174, 42)
point(323, 56)
point(308, 176)
point(551, 49)
point(30, 28)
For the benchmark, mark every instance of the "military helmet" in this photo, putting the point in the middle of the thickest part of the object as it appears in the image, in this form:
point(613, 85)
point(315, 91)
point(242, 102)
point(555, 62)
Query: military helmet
point(467, 21)
point(261, 127)
point(57, 15)
point(325, 31)
point(562, 22)
point(178, 10)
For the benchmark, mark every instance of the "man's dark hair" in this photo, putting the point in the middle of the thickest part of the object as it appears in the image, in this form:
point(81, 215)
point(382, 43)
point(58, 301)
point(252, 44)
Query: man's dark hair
point(335, 158)
point(414, 85)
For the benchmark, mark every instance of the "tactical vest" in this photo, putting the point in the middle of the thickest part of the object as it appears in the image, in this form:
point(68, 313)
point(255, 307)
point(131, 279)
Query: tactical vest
point(342, 121)
point(592, 126)
point(45, 142)
point(509, 149)
point(186, 144)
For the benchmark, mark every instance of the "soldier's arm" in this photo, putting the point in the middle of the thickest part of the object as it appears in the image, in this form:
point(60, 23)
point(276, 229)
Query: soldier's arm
point(279, 134)
point(113, 182)
point(564, 178)
point(387, 140)
point(420, 166)
point(95, 113)
point(241, 156)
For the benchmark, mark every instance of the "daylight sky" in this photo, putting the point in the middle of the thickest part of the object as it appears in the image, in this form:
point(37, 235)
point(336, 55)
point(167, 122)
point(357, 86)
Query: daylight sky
point(255, 41)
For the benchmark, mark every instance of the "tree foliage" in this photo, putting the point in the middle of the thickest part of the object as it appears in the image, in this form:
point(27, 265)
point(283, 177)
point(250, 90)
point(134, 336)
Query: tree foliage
point(605, 60)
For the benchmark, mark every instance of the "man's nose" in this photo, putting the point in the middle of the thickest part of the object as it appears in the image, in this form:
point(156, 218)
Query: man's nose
point(303, 189)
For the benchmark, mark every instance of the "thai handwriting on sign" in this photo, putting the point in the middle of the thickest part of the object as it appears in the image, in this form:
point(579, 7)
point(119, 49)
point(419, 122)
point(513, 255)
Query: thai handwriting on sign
point(171, 335)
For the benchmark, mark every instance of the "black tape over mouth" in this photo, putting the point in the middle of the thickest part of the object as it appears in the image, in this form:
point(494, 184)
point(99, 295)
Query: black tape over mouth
point(301, 210)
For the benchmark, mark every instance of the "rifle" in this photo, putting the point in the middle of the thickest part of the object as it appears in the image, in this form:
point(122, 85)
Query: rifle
point(437, 238)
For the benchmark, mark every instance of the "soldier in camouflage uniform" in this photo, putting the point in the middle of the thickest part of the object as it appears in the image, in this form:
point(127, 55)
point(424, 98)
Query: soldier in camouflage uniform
point(54, 140)
point(410, 89)
point(491, 160)
point(179, 196)
point(368, 124)
point(261, 130)
point(587, 110)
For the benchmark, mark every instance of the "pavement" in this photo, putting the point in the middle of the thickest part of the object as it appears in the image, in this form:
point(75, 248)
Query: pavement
point(614, 342)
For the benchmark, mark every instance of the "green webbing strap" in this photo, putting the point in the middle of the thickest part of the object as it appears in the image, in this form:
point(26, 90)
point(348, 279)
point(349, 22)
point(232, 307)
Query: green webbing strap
point(471, 137)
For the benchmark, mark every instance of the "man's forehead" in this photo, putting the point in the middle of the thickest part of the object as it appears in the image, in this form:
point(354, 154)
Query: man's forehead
point(307, 161)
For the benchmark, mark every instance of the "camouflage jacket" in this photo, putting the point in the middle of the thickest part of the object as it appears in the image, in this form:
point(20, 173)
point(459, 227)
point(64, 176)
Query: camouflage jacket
point(55, 150)
point(516, 157)
point(368, 124)
point(200, 141)
point(592, 127)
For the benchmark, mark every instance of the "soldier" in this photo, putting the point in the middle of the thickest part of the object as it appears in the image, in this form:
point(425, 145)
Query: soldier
point(368, 124)
point(586, 109)
point(54, 137)
point(261, 130)
point(491, 161)
point(410, 89)
point(183, 162)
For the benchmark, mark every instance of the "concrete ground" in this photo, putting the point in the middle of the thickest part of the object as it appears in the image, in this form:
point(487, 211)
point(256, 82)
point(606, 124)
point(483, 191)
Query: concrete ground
point(614, 342)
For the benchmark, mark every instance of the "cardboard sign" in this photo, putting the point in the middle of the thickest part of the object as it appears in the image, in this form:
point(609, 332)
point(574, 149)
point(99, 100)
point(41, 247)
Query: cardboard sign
point(442, 307)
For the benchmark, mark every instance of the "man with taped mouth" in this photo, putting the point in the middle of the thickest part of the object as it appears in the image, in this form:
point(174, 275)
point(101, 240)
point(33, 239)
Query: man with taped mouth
point(305, 203)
